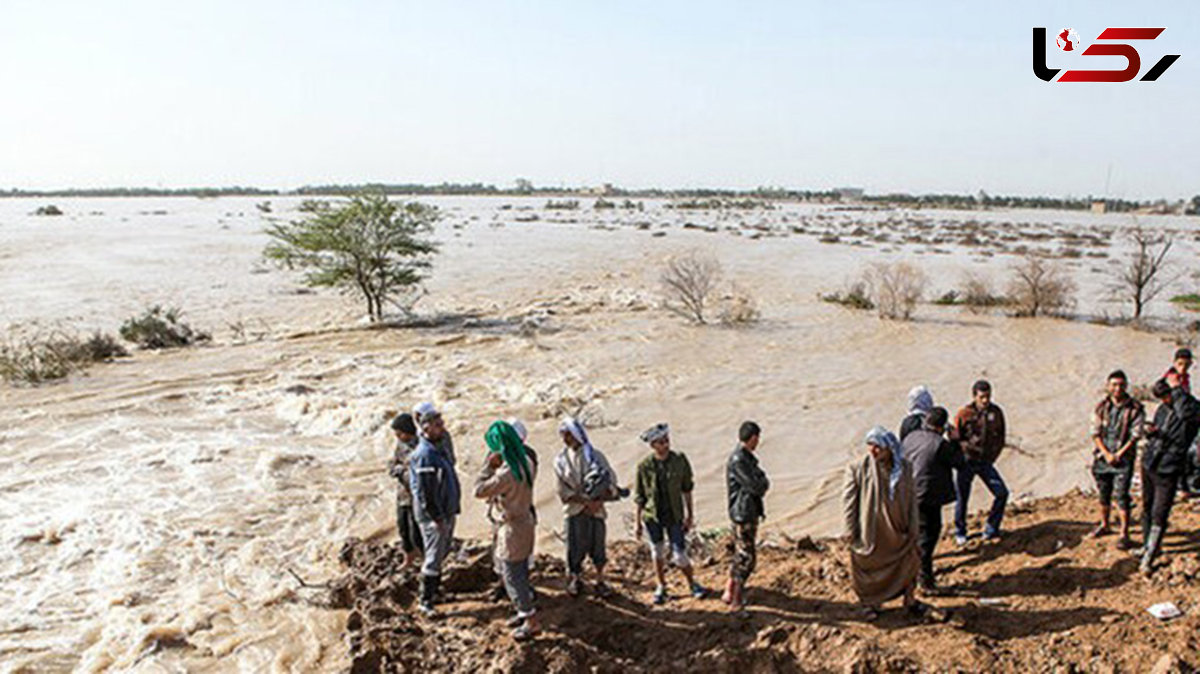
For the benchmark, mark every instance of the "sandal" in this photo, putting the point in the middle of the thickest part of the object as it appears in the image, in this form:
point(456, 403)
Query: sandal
point(869, 613)
point(1099, 531)
point(927, 612)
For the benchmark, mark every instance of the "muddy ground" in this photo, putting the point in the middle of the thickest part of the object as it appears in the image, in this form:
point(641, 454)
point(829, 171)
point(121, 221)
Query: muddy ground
point(1047, 597)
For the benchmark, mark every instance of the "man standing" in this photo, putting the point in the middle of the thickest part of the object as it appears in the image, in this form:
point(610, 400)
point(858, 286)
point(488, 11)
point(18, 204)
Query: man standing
point(436, 502)
point(405, 431)
point(747, 485)
point(664, 508)
point(980, 430)
point(583, 509)
point(1117, 424)
point(1173, 430)
point(932, 457)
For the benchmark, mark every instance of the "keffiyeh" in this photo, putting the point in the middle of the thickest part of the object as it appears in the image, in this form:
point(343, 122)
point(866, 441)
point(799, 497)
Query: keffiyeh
point(920, 400)
point(655, 433)
point(882, 437)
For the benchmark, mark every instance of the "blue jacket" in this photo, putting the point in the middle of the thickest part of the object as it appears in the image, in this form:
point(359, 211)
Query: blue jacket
point(434, 483)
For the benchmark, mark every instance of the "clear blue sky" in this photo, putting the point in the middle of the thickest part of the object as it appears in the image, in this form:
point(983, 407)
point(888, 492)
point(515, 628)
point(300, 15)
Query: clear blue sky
point(932, 96)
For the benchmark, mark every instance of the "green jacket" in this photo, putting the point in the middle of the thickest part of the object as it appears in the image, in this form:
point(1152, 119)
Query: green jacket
point(679, 482)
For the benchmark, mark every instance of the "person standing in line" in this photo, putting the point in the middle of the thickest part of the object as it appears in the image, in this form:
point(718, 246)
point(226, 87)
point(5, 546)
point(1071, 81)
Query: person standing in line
point(506, 482)
point(879, 508)
point(405, 431)
point(665, 509)
point(436, 504)
point(585, 481)
point(1117, 425)
point(1173, 431)
point(933, 459)
point(980, 429)
point(747, 484)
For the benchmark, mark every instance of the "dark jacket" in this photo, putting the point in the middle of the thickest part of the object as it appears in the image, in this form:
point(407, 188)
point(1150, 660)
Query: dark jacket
point(679, 482)
point(434, 483)
point(747, 486)
point(932, 457)
point(911, 423)
point(1175, 426)
point(981, 433)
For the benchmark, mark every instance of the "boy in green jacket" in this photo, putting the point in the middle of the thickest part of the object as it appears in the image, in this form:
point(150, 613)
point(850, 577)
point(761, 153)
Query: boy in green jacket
point(664, 507)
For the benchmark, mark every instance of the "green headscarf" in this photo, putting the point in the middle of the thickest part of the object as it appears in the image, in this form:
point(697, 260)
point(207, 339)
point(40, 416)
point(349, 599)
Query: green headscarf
point(502, 439)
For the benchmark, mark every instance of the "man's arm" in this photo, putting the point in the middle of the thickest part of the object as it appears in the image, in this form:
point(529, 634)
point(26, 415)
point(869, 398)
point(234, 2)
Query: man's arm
point(688, 520)
point(489, 482)
point(425, 485)
point(749, 479)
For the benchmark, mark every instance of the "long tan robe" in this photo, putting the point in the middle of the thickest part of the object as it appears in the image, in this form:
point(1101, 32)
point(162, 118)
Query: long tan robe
point(513, 499)
point(884, 560)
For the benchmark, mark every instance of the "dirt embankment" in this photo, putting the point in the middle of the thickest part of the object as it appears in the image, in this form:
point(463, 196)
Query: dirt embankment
point(1046, 598)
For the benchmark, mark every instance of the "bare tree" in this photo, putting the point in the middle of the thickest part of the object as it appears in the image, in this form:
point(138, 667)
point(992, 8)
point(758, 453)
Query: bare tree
point(1141, 278)
point(895, 288)
point(1039, 287)
point(688, 282)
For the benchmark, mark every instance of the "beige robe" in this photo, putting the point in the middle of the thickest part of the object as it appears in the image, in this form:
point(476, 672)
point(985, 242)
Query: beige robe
point(513, 499)
point(884, 560)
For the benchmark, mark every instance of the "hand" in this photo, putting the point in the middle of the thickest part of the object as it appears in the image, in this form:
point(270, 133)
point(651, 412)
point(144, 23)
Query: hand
point(1172, 379)
point(593, 508)
point(688, 523)
point(1108, 456)
point(637, 532)
point(494, 460)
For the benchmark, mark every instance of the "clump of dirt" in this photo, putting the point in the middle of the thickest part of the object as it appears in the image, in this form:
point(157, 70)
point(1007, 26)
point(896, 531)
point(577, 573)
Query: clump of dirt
point(1047, 597)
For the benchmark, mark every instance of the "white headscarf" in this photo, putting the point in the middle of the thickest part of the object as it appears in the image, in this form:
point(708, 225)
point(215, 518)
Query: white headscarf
point(882, 437)
point(655, 432)
point(571, 425)
point(920, 401)
point(519, 428)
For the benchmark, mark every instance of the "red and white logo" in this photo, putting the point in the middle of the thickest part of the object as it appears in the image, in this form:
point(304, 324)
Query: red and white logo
point(1068, 39)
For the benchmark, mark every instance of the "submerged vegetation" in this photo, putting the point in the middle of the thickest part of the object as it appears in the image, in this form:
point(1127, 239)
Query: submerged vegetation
point(41, 356)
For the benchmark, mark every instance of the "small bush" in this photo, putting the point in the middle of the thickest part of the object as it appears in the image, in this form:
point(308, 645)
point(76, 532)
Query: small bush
point(895, 287)
point(160, 328)
point(603, 204)
point(739, 307)
point(978, 297)
point(1190, 302)
point(1040, 287)
point(571, 205)
point(853, 297)
point(39, 357)
point(48, 210)
point(688, 281)
point(948, 299)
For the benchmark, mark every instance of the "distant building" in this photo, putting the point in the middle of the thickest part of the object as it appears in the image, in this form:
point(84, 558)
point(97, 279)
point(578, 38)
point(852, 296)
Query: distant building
point(1099, 207)
point(849, 193)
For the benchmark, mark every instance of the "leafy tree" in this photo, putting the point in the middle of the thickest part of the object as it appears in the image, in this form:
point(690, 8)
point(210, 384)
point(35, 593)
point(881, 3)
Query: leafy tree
point(368, 246)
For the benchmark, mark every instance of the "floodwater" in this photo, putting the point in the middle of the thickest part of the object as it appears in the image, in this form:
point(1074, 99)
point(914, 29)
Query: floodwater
point(151, 508)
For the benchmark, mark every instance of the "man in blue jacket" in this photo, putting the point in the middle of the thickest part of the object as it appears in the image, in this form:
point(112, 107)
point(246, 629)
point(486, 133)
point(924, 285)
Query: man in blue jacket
point(436, 503)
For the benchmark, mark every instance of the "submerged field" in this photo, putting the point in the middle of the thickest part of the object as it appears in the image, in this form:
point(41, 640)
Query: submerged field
point(152, 507)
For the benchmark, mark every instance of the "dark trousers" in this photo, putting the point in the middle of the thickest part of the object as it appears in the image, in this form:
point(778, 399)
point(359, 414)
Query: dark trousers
point(1158, 496)
point(410, 531)
point(995, 484)
point(929, 518)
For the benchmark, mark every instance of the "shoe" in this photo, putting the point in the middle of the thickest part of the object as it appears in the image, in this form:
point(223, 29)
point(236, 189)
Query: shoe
point(574, 586)
point(526, 632)
point(515, 621)
point(428, 589)
point(1123, 543)
point(699, 591)
point(602, 590)
point(991, 536)
point(960, 540)
point(660, 595)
